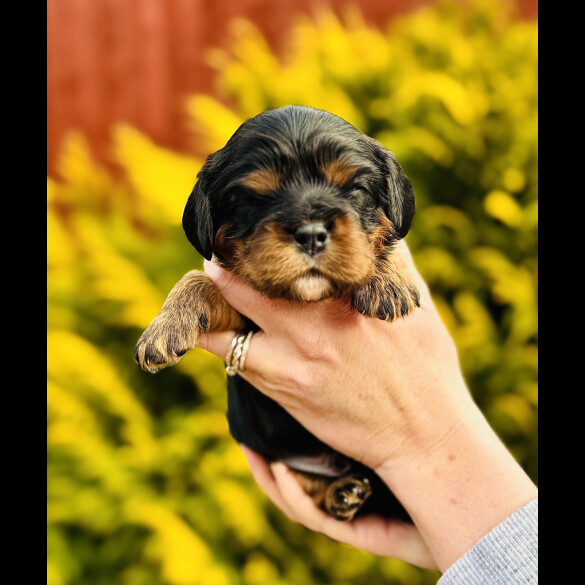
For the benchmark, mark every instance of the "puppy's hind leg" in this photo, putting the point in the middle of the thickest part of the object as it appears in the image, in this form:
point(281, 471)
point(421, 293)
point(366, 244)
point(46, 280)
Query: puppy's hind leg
point(340, 497)
point(346, 495)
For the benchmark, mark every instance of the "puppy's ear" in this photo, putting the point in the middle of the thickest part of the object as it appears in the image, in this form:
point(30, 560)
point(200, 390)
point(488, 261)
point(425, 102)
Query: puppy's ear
point(398, 201)
point(197, 221)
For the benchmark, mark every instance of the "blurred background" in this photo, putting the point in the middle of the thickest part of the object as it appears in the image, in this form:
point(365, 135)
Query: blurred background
point(145, 485)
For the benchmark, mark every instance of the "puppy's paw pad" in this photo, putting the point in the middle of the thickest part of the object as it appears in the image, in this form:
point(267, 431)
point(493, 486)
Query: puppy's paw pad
point(346, 496)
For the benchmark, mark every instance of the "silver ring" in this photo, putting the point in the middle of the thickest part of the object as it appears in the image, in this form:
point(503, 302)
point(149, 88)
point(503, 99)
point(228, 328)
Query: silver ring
point(236, 355)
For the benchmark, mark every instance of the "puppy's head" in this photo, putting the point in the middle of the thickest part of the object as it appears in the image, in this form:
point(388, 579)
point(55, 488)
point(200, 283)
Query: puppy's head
point(300, 204)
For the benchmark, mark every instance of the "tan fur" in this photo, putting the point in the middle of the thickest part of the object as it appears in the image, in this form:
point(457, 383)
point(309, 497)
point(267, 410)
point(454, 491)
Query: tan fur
point(382, 236)
point(263, 181)
point(270, 260)
point(351, 259)
point(314, 485)
point(338, 172)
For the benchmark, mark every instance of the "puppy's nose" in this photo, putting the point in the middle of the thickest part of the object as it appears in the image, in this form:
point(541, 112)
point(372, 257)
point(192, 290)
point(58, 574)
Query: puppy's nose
point(312, 238)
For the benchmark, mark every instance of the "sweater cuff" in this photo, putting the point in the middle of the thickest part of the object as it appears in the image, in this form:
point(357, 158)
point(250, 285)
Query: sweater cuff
point(507, 555)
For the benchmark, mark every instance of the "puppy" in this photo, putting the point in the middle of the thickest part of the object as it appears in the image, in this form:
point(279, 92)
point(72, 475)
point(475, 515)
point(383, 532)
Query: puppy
point(304, 207)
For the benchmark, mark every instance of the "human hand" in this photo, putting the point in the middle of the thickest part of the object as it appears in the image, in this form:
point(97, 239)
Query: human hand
point(380, 536)
point(332, 368)
point(392, 396)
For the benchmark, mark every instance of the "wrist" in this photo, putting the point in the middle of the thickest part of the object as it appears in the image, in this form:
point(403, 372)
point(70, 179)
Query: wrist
point(427, 424)
point(459, 488)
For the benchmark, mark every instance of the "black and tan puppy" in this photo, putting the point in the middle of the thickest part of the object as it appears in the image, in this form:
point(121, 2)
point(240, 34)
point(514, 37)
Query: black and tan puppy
point(303, 207)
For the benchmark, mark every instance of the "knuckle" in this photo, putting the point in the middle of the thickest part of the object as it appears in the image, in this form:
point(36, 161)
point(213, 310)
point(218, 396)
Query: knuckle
point(295, 376)
point(317, 347)
point(295, 383)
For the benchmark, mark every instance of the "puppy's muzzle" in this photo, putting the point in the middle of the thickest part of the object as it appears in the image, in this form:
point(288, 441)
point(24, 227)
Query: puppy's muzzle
point(312, 238)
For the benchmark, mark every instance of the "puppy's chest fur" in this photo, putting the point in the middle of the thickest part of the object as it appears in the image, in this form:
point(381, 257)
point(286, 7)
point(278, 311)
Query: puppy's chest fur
point(303, 207)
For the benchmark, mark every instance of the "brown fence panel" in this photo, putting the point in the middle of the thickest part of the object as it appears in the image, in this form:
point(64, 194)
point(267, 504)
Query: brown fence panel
point(136, 60)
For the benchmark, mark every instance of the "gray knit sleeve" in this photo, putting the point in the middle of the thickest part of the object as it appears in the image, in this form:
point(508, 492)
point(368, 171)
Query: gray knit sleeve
point(508, 555)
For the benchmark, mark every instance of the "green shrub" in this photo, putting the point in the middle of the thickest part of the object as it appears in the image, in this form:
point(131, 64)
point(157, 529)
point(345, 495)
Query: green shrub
point(145, 485)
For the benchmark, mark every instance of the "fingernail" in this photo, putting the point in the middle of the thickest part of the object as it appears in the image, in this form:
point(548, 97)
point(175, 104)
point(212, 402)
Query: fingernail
point(211, 268)
point(278, 468)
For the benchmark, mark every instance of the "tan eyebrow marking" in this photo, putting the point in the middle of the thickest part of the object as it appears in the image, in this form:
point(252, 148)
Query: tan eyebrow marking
point(262, 180)
point(339, 172)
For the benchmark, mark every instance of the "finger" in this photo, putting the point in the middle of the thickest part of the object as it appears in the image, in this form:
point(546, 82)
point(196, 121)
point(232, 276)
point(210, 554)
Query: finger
point(263, 477)
point(261, 357)
point(217, 343)
point(390, 537)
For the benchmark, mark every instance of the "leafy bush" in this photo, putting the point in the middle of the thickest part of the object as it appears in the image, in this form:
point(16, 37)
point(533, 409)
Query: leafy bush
point(145, 485)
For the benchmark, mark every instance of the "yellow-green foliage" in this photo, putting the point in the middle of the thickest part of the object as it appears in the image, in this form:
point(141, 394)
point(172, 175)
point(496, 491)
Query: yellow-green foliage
point(145, 485)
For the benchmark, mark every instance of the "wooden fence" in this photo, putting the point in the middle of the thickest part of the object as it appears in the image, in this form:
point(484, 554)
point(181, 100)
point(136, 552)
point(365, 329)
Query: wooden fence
point(136, 60)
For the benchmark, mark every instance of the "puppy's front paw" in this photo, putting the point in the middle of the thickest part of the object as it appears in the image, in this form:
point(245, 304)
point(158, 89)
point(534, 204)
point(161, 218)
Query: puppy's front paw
point(167, 339)
point(386, 298)
point(193, 307)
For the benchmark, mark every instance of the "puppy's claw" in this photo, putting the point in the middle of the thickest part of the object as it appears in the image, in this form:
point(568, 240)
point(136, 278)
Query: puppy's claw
point(386, 301)
point(152, 359)
point(163, 344)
